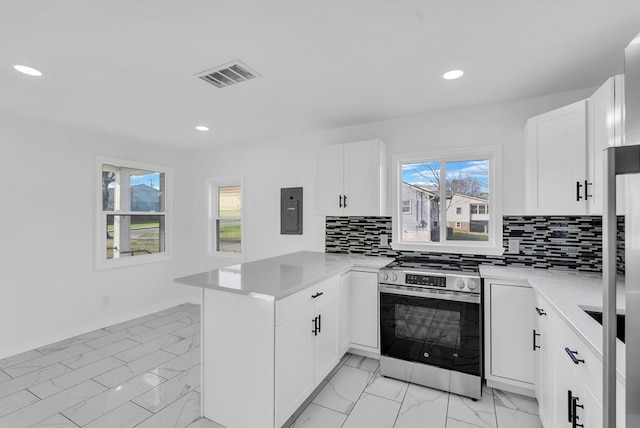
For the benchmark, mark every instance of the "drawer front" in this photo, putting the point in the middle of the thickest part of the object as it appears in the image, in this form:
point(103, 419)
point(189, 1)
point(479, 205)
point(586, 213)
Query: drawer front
point(291, 306)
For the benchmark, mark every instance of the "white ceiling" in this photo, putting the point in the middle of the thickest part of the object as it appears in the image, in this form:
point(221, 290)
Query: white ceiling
point(127, 67)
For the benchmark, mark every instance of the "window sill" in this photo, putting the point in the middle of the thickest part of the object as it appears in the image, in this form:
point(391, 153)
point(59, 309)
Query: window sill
point(486, 250)
point(132, 261)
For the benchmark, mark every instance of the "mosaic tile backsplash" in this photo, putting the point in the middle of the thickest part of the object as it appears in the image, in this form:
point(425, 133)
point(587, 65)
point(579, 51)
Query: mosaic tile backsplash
point(546, 242)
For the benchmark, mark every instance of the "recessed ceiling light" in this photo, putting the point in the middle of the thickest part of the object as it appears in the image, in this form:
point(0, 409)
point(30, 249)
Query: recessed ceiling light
point(453, 74)
point(202, 128)
point(25, 69)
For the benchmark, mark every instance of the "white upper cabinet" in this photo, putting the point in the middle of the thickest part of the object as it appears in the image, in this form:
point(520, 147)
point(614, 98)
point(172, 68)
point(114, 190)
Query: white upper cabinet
point(605, 129)
point(555, 161)
point(563, 153)
point(351, 179)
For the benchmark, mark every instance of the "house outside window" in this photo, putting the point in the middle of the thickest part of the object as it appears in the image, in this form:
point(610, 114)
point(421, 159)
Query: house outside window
point(406, 206)
point(450, 193)
point(133, 213)
point(225, 217)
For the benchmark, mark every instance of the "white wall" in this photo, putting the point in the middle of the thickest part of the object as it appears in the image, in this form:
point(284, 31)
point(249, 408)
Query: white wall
point(270, 164)
point(49, 289)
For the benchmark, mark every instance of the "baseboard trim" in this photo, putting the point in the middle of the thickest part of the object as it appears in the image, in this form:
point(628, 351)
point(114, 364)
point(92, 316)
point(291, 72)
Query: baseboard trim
point(106, 322)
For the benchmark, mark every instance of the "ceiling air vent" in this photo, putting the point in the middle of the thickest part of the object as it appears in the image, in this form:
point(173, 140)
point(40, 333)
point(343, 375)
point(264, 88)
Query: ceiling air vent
point(228, 74)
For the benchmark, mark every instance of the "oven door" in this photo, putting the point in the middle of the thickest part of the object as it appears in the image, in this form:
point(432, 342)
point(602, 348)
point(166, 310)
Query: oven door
point(436, 328)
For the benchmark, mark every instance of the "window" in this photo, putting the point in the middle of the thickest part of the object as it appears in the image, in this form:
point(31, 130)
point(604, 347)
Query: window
point(133, 217)
point(225, 216)
point(451, 193)
point(406, 207)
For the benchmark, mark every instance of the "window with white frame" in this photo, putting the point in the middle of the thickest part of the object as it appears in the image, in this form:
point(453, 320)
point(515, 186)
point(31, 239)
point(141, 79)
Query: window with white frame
point(406, 207)
point(225, 216)
point(451, 192)
point(133, 215)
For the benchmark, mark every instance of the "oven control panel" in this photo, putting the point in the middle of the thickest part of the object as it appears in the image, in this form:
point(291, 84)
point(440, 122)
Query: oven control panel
point(428, 280)
point(456, 281)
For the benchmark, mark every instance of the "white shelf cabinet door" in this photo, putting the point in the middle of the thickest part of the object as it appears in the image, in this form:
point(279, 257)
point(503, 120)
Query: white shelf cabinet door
point(329, 180)
point(345, 312)
point(327, 346)
point(294, 360)
point(543, 360)
point(364, 178)
point(511, 335)
point(605, 113)
point(555, 159)
point(364, 312)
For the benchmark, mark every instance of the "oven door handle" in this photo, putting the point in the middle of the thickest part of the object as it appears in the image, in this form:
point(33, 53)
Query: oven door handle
point(457, 297)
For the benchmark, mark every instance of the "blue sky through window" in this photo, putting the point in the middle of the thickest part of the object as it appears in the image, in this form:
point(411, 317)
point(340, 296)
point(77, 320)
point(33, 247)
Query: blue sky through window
point(427, 173)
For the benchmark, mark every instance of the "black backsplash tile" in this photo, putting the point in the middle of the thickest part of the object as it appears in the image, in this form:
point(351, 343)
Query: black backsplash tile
point(546, 242)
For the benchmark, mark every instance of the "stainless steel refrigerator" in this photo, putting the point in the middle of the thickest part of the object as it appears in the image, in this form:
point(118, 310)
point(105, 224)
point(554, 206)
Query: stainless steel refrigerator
point(623, 161)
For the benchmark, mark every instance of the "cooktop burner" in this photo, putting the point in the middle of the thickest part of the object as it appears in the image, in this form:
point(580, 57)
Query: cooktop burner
point(430, 264)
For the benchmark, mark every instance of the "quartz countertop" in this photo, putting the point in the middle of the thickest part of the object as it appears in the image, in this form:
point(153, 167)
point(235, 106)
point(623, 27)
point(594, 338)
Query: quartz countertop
point(569, 293)
point(280, 276)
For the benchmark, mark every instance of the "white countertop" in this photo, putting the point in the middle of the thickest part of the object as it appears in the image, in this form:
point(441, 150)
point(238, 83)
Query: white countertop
point(569, 293)
point(280, 276)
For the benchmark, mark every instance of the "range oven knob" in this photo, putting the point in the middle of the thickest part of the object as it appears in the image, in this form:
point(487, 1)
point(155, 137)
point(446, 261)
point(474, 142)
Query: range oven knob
point(460, 283)
point(385, 276)
point(394, 277)
point(473, 284)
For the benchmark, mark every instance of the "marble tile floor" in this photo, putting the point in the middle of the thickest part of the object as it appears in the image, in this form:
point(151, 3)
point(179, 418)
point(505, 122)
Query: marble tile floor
point(146, 373)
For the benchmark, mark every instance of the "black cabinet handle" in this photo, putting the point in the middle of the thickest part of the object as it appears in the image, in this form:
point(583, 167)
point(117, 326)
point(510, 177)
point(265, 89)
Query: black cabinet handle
point(315, 326)
point(574, 410)
point(534, 340)
point(586, 190)
point(578, 186)
point(319, 323)
point(340, 203)
point(572, 355)
point(540, 311)
point(317, 295)
point(570, 405)
point(345, 201)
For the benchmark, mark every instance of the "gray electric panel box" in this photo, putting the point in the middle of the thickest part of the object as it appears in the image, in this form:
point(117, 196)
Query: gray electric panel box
point(291, 211)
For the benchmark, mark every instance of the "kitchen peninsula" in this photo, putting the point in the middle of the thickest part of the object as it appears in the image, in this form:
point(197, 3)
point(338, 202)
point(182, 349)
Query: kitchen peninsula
point(271, 331)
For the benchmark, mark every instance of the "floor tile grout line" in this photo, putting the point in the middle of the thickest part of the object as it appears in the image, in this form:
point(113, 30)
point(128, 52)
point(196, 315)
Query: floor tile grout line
point(406, 391)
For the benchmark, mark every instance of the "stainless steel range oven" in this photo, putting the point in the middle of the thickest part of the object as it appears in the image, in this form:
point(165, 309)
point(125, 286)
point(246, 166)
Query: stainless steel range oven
point(431, 328)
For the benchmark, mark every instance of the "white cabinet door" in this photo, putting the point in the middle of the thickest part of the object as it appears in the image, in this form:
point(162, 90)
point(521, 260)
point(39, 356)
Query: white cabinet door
point(327, 340)
point(511, 334)
point(555, 161)
point(345, 312)
point(294, 361)
point(543, 354)
point(364, 312)
point(329, 180)
point(605, 129)
point(351, 179)
point(362, 178)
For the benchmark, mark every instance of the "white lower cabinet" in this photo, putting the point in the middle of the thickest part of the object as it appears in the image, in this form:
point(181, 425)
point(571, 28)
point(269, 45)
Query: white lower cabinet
point(306, 344)
point(364, 310)
point(345, 312)
point(508, 336)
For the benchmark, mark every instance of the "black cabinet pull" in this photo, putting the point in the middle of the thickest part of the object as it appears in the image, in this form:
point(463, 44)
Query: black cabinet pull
point(315, 326)
point(319, 323)
point(578, 186)
point(586, 190)
point(572, 355)
point(570, 405)
point(534, 340)
point(540, 311)
point(317, 295)
point(574, 410)
point(340, 203)
point(345, 201)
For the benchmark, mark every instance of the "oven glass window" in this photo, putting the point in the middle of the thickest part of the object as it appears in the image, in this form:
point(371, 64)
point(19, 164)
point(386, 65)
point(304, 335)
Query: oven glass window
point(437, 332)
